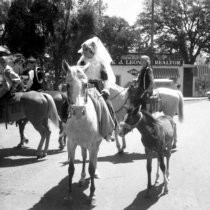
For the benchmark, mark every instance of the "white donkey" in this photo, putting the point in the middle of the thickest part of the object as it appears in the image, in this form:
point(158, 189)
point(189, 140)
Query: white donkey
point(82, 128)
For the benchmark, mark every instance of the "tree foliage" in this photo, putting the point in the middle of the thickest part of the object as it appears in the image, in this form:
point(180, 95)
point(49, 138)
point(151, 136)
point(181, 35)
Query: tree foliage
point(180, 27)
point(28, 26)
point(117, 35)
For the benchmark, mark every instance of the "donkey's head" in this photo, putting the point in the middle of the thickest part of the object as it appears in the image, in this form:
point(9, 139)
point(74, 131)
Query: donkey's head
point(76, 81)
point(131, 120)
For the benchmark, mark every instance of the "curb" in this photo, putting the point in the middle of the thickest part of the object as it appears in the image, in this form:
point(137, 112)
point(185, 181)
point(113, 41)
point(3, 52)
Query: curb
point(195, 99)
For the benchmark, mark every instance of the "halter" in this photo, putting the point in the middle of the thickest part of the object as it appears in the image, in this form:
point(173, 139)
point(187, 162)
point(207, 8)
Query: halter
point(77, 110)
point(131, 127)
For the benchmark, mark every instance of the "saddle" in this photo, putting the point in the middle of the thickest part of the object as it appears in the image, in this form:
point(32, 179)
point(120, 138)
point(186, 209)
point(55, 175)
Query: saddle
point(154, 101)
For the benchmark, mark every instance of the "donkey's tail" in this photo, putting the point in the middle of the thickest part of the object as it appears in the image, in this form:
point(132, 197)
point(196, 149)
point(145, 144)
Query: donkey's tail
point(181, 107)
point(52, 111)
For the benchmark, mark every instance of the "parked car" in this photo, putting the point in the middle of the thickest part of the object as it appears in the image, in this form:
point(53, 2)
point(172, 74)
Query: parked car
point(208, 94)
point(167, 83)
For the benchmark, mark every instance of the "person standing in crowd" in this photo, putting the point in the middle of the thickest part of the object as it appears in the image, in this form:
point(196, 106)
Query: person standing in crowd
point(11, 80)
point(35, 75)
point(99, 72)
point(145, 81)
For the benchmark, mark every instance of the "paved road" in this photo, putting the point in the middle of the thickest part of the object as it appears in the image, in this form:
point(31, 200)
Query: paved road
point(26, 183)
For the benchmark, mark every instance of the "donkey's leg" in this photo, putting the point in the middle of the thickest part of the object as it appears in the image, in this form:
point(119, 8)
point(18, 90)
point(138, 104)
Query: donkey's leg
point(92, 167)
point(97, 174)
point(149, 170)
point(71, 154)
point(163, 169)
point(168, 155)
point(47, 134)
point(83, 174)
point(23, 139)
point(123, 143)
point(117, 140)
point(62, 136)
point(41, 129)
point(175, 136)
point(157, 173)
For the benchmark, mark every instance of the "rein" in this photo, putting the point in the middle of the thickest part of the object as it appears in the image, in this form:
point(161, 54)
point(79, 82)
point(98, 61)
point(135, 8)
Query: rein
point(118, 94)
point(123, 105)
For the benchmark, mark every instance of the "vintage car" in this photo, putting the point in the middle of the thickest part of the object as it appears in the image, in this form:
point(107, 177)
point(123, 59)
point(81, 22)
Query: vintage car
point(167, 83)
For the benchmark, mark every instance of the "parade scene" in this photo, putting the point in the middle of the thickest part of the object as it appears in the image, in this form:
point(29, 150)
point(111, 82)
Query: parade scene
point(104, 104)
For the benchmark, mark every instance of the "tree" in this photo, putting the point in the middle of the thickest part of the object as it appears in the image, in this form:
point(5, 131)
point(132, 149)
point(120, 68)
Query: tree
point(4, 8)
point(28, 26)
point(181, 27)
point(117, 35)
point(75, 24)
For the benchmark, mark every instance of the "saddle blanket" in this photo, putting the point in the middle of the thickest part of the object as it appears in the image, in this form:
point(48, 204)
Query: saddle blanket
point(106, 124)
point(10, 108)
point(154, 101)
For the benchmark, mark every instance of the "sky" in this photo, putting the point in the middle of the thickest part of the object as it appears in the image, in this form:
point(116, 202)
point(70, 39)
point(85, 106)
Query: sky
point(127, 9)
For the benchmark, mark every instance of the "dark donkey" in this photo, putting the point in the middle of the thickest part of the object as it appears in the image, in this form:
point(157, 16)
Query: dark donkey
point(60, 99)
point(157, 135)
point(37, 108)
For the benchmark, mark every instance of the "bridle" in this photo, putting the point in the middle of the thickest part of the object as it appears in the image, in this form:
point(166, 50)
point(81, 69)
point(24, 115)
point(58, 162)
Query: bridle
point(123, 106)
point(77, 110)
point(131, 127)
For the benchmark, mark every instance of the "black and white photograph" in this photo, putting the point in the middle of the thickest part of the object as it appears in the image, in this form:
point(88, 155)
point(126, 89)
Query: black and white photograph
point(104, 104)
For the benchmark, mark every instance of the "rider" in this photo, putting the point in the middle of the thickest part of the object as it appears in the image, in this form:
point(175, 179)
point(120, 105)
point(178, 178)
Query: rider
point(145, 81)
point(11, 80)
point(99, 71)
point(35, 75)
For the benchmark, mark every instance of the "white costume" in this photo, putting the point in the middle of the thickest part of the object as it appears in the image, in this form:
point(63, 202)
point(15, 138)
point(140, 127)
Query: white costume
point(101, 61)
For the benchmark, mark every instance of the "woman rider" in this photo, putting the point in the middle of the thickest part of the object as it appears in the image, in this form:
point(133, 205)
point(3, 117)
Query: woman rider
point(99, 71)
point(145, 82)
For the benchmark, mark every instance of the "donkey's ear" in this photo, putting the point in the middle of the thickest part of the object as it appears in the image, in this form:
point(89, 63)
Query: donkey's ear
point(65, 66)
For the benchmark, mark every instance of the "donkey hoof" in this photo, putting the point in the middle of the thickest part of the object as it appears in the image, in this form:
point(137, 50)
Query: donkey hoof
point(92, 201)
point(41, 156)
point(81, 183)
point(165, 191)
point(121, 152)
point(26, 141)
point(157, 182)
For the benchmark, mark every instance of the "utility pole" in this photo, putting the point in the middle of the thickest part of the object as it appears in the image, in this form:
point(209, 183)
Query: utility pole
point(99, 8)
point(152, 32)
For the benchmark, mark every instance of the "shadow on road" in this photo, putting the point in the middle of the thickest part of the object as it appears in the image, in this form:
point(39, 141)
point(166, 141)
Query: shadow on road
point(118, 158)
point(6, 153)
point(125, 157)
point(122, 158)
point(143, 203)
point(54, 198)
